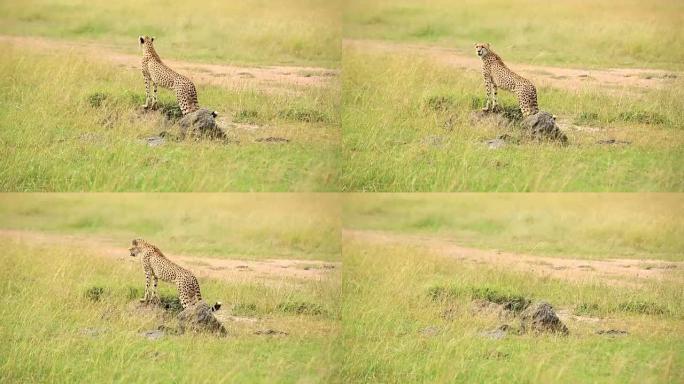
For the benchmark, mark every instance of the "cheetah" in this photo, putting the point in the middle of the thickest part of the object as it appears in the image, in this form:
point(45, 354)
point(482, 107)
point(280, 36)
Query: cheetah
point(157, 266)
point(157, 73)
point(498, 75)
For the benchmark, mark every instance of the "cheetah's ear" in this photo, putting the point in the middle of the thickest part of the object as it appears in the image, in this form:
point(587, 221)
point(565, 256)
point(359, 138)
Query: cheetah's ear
point(487, 45)
point(135, 242)
point(152, 39)
point(142, 39)
point(214, 113)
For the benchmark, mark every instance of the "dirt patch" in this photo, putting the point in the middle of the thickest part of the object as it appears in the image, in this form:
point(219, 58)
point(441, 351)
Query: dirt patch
point(273, 270)
point(612, 332)
point(246, 326)
point(613, 142)
point(486, 308)
point(276, 79)
point(270, 332)
point(155, 141)
point(430, 331)
point(497, 120)
point(272, 139)
point(497, 333)
point(153, 334)
point(495, 143)
point(612, 271)
point(300, 308)
point(614, 79)
point(566, 315)
point(93, 332)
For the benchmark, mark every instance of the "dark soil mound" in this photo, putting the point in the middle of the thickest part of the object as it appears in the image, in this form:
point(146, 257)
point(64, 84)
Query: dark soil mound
point(542, 125)
point(541, 318)
point(200, 124)
point(200, 318)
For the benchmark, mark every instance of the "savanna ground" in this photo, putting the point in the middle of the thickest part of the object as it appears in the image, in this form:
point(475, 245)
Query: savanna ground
point(611, 74)
point(418, 268)
point(71, 92)
point(70, 290)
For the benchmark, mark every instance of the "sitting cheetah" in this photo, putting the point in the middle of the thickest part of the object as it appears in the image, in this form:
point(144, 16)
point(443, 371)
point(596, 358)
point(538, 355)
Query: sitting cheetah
point(157, 266)
point(157, 73)
point(496, 74)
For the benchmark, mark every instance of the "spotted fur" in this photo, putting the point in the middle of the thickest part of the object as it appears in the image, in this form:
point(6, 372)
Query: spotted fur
point(497, 75)
point(157, 266)
point(156, 73)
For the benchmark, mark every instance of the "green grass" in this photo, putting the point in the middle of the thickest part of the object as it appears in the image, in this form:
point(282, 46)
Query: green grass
point(254, 226)
point(575, 225)
point(565, 33)
point(73, 124)
point(293, 32)
point(396, 331)
point(407, 126)
point(47, 316)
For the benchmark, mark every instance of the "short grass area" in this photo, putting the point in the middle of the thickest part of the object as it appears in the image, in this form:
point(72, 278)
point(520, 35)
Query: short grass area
point(396, 329)
point(572, 33)
point(72, 123)
point(597, 226)
point(407, 125)
point(68, 316)
point(253, 226)
point(70, 313)
point(291, 32)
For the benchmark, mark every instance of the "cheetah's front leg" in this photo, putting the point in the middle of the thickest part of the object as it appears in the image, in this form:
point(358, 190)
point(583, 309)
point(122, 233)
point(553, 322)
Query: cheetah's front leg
point(155, 295)
point(488, 90)
point(147, 92)
point(154, 105)
point(495, 104)
point(147, 295)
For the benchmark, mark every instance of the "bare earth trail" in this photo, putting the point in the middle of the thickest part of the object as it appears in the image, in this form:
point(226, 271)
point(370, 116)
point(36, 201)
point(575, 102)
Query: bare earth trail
point(233, 270)
point(618, 79)
point(267, 78)
point(610, 271)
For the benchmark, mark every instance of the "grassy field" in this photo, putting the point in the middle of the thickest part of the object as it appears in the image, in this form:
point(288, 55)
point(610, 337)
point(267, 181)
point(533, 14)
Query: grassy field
point(69, 314)
point(580, 225)
point(254, 226)
point(72, 123)
point(565, 33)
point(395, 331)
point(407, 126)
point(293, 32)
point(410, 315)
point(407, 117)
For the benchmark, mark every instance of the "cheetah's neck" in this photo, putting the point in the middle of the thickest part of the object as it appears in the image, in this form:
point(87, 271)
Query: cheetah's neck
point(150, 53)
point(491, 58)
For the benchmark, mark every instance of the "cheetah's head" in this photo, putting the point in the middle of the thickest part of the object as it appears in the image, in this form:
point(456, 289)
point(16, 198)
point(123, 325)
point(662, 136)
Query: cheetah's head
point(145, 40)
point(482, 49)
point(136, 247)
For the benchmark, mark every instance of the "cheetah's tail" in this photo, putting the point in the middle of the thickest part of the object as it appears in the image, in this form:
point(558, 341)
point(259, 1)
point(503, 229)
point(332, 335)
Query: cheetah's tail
point(216, 306)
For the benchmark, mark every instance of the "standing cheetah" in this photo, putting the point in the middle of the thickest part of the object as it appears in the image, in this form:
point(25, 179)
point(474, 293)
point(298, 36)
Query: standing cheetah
point(157, 266)
point(157, 73)
point(497, 75)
